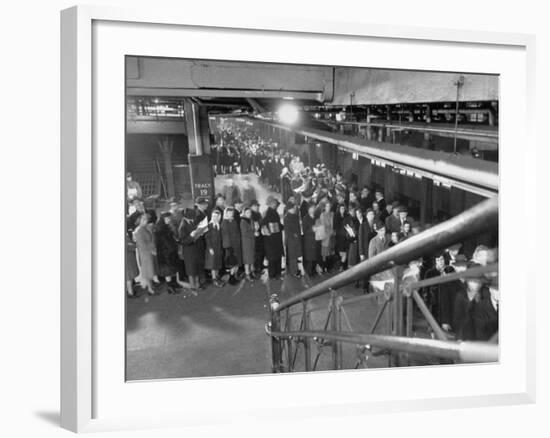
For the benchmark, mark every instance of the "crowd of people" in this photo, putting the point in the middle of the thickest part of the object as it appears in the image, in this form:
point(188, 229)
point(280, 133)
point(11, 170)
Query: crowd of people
point(321, 225)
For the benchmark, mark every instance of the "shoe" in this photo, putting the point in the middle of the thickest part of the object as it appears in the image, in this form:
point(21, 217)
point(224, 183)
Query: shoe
point(218, 283)
point(249, 278)
point(233, 281)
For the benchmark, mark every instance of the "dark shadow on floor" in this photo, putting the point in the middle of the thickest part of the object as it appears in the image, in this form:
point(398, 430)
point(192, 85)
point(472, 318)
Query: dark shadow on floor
point(51, 417)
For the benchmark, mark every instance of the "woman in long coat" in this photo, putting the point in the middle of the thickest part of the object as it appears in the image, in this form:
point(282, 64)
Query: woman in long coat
point(352, 224)
point(132, 269)
point(271, 229)
point(248, 242)
point(167, 251)
point(146, 250)
point(310, 243)
point(188, 236)
point(293, 239)
point(213, 259)
point(342, 243)
point(231, 242)
point(286, 188)
point(326, 220)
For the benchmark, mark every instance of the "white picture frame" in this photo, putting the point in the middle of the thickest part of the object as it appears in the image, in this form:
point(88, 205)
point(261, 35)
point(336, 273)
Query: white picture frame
point(79, 202)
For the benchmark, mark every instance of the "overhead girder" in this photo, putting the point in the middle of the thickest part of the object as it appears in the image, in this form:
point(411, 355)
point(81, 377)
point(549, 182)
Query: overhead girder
point(179, 77)
point(373, 86)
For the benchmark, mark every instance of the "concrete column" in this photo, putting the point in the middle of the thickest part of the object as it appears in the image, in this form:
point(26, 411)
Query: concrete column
point(192, 121)
point(204, 125)
point(198, 137)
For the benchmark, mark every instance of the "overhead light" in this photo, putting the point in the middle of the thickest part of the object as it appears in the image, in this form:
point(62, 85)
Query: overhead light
point(288, 113)
point(288, 98)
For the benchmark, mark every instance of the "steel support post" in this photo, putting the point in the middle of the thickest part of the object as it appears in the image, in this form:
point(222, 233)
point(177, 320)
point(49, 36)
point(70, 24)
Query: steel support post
point(276, 350)
point(336, 326)
point(307, 352)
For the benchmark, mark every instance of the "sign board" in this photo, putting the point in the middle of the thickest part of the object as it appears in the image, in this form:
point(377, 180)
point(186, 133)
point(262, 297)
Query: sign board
point(202, 177)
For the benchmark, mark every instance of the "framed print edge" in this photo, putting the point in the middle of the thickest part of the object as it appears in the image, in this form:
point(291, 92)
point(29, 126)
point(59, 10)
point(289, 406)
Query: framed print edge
point(77, 202)
point(76, 221)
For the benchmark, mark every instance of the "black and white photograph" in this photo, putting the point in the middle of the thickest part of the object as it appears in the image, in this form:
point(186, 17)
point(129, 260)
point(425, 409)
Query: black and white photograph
point(286, 218)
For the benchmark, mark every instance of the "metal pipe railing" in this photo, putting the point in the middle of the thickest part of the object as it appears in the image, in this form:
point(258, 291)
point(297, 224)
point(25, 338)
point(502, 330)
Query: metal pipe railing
point(480, 218)
point(474, 352)
point(476, 272)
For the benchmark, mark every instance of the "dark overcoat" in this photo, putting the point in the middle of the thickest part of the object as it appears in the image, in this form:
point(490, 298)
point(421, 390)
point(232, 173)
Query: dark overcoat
point(248, 241)
point(167, 251)
point(342, 242)
point(464, 316)
point(273, 238)
point(231, 239)
point(213, 241)
point(485, 320)
point(353, 248)
point(189, 249)
point(286, 188)
point(310, 244)
point(293, 236)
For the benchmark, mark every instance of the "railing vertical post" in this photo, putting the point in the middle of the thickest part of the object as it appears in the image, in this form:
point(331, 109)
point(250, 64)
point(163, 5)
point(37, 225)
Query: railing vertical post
point(335, 326)
point(389, 317)
point(397, 309)
point(409, 322)
point(276, 359)
point(307, 354)
point(288, 342)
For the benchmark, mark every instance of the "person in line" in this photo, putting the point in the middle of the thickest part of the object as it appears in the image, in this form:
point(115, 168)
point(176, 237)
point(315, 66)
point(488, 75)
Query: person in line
point(393, 224)
point(189, 235)
point(271, 229)
point(231, 192)
point(248, 242)
point(248, 192)
point(132, 269)
point(293, 240)
point(377, 245)
point(310, 242)
point(231, 242)
point(167, 252)
point(326, 220)
point(486, 317)
point(146, 250)
point(441, 298)
point(259, 255)
point(213, 248)
point(342, 243)
point(352, 224)
point(466, 307)
point(133, 189)
point(379, 196)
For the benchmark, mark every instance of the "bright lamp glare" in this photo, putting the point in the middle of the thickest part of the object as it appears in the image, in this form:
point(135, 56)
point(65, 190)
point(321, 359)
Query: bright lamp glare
point(288, 114)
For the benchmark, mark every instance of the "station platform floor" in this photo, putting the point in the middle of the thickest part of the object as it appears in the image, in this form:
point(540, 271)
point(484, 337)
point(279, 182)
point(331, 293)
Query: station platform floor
point(221, 332)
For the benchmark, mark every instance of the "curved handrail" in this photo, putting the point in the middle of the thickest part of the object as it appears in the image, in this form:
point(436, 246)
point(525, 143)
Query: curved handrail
point(475, 352)
point(477, 219)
